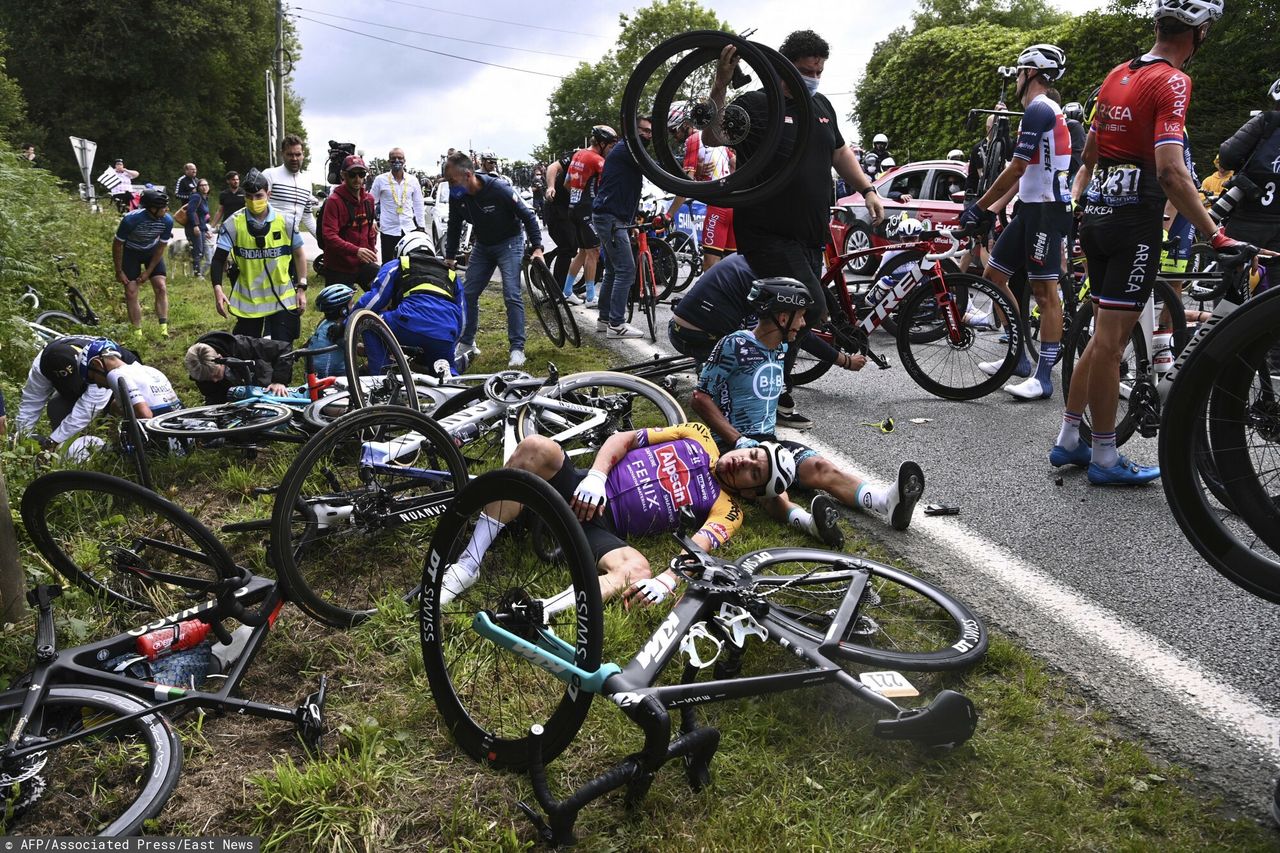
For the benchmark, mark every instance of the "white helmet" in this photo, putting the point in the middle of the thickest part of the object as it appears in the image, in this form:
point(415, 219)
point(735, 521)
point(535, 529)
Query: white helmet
point(782, 468)
point(414, 241)
point(1275, 91)
point(878, 138)
point(1045, 58)
point(904, 227)
point(957, 155)
point(678, 114)
point(1193, 13)
point(888, 163)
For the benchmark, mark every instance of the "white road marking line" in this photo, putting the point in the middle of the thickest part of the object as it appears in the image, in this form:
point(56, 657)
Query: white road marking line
point(1183, 681)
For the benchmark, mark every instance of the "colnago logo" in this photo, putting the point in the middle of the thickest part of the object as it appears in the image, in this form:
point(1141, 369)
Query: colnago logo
point(424, 512)
point(659, 643)
point(1138, 275)
point(673, 475)
point(969, 638)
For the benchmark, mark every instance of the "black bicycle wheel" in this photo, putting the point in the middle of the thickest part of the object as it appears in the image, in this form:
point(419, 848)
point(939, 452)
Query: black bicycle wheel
point(489, 696)
point(625, 402)
point(394, 385)
point(354, 512)
point(133, 441)
point(222, 420)
point(950, 368)
point(536, 278)
point(647, 297)
point(666, 267)
point(61, 321)
point(572, 334)
point(102, 784)
point(902, 622)
point(1241, 549)
point(119, 540)
point(688, 256)
point(80, 306)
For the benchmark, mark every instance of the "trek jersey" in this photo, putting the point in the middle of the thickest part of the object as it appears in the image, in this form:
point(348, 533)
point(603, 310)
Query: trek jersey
point(1044, 142)
point(584, 176)
point(671, 468)
point(705, 162)
point(146, 384)
point(745, 380)
point(1143, 105)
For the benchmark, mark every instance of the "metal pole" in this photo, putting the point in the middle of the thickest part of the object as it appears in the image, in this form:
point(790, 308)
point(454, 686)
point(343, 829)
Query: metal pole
point(279, 75)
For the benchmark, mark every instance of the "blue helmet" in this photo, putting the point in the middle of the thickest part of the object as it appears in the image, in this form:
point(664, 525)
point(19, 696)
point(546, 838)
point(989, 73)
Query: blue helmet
point(97, 348)
point(334, 298)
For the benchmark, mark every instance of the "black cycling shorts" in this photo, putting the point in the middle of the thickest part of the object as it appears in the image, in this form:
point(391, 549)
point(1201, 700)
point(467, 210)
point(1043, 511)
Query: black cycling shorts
point(1123, 250)
point(586, 234)
point(1033, 241)
point(602, 536)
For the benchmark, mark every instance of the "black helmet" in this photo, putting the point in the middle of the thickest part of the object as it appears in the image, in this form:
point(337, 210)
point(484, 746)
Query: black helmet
point(1091, 102)
point(154, 197)
point(603, 134)
point(768, 296)
point(1074, 110)
point(254, 181)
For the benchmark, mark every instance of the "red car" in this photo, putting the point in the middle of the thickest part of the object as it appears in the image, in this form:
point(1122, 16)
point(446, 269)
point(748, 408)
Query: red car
point(935, 189)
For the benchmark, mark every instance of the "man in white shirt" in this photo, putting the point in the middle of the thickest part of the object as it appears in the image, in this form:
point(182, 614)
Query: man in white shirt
point(399, 198)
point(149, 392)
point(290, 193)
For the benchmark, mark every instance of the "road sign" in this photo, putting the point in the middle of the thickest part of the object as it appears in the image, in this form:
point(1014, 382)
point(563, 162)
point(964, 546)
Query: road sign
point(85, 150)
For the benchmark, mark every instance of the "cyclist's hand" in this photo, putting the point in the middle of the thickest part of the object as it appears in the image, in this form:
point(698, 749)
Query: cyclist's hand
point(537, 255)
point(1231, 252)
point(727, 65)
point(589, 497)
point(974, 217)
point(220, 300)
point(875, 207)
point(278, 390)
point(744, 442)
point(854, 361)
point(649, 591)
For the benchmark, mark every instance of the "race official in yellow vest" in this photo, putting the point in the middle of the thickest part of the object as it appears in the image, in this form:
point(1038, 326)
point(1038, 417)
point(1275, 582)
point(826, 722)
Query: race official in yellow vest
point(264, 298)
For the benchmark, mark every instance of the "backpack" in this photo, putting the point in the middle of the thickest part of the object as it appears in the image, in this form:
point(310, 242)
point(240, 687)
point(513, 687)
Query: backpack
point(351, 210)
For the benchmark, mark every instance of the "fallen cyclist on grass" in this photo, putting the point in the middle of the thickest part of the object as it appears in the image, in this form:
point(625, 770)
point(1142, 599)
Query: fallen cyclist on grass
point(639, 484)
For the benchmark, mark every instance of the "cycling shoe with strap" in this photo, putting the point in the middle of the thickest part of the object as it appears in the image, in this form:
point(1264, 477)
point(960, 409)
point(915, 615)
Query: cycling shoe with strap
point(1123, 473)
point(1081, 457)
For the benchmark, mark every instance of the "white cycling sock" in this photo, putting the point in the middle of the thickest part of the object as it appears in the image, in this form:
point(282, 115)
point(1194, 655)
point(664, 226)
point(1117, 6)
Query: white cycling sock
point(1069, 435)
point(1105, 454)
point(487, 529)
point(878, 500)
point(802, 520)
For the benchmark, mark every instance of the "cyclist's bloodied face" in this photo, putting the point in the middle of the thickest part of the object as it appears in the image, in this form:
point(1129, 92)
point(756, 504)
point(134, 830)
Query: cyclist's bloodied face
point(743, 470)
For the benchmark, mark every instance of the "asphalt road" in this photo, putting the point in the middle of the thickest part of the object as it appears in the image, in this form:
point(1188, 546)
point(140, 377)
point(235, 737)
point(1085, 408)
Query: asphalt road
point(1100, 582)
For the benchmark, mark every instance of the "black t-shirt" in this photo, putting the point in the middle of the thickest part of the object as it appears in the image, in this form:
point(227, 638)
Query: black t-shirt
point(231, 202)
point(801, 210)
point(562, 192)
point(717, 301)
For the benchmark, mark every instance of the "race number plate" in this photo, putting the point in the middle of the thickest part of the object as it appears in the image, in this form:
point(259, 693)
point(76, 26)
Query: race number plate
point(890, 684)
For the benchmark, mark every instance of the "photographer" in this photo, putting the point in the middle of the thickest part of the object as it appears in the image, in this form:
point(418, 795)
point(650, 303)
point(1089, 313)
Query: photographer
point(1253, 153)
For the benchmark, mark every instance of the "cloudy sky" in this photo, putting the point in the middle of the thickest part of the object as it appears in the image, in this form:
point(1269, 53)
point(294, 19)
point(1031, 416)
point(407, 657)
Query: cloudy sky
point(366, 75)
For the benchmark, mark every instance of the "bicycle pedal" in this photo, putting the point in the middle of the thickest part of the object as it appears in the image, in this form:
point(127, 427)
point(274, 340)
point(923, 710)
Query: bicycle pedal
point(310, 718)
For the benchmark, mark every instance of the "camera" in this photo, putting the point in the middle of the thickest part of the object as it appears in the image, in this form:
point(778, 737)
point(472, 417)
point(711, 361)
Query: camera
point(338, 151)
point(1236, 190)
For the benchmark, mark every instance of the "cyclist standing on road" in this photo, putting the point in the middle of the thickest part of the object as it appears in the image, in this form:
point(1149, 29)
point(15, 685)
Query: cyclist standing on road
point(785, 234)
point(555, 213)
point(1032, 241)
point(583, 177)
point(612, 210)
point(737, 395)
point(1254, 154)
point(1133, 161)
point(138, 255)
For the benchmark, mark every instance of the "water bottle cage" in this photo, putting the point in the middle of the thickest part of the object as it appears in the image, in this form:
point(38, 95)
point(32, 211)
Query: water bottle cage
point(738, 624)
point(689, 645)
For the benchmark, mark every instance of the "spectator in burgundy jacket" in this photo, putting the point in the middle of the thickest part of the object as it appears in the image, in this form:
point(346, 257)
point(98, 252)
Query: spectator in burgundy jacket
point(350, 229)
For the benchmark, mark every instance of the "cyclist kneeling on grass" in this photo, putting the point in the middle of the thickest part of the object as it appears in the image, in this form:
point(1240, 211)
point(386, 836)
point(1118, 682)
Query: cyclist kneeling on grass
point(420, 299)
point(149, 391)
point(54, 384)
point(639, 484)
point(204, 365)
point(737, 395)
point(334, 302)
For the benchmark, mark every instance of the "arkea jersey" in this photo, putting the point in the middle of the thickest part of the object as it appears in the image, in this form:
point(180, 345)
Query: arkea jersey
point(1044, 141)
point(584, 176)
point(1143, 105)
point(745, 380)
point(705, 162)
point(671, 469)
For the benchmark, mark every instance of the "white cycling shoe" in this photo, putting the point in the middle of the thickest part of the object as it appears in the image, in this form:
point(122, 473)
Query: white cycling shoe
point(456, 581)
point(991, 368)
point(1031, 389)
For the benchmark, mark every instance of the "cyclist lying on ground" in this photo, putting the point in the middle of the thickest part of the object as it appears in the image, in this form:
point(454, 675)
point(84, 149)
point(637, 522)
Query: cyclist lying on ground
point(203, 366)
point(737, 395)
point(646, 478)
point(54, 383)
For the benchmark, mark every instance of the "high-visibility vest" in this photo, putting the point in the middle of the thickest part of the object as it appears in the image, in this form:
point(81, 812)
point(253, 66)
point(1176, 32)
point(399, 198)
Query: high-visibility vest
point(264, 286)
point(422, 273)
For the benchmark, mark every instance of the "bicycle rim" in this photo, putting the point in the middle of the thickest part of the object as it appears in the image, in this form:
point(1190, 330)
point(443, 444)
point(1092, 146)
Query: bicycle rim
point(544, 303)
point(356, 508)
point(396, 386)
point(60, 321)
point(123, 542)
point(902, 621)
point(219, 421)
point(104, 784)
point(489, 696)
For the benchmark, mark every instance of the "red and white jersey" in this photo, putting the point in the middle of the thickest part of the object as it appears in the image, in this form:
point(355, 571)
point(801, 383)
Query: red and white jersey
point(706, 162)
point(1044, 141)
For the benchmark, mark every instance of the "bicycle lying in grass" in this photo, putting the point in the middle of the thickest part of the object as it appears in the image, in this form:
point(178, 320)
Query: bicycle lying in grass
point(89, 745)
point(515, 660)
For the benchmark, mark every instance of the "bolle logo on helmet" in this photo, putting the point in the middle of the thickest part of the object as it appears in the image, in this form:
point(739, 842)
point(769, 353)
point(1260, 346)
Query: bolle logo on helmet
point(673, 475)
point(790, 299)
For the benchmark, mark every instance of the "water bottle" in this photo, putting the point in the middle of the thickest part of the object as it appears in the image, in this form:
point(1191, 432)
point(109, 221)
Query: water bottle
point(1162, 357)
point(172, 638)
point(878, 291)
point(226, 654)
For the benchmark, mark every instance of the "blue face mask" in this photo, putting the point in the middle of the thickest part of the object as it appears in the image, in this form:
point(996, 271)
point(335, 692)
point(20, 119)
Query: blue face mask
point(457, 192)
point(397, 165)
point(810, 83)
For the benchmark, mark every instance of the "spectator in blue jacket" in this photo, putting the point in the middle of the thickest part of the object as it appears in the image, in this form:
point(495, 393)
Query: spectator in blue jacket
point(198, 225)
point(613, 209)
point(496, 213)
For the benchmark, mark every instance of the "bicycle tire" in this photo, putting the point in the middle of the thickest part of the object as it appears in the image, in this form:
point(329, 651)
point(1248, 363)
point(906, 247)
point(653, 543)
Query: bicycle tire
point(134, 440)
point(221, 420)
point(647, 297)
point(103, 786)
point(926, 350)
point(572, 334)
point(544, 303)
point(461, 665)
point(1134, 355)
point(118, 540)
point(593, 388)
point(320, 413)
point(1227, 548)
point(60, 321)
point(398, 386)
point(916, 627)
point(688, 260)
point(347, 530)
point(666, 268)
point(80, 306)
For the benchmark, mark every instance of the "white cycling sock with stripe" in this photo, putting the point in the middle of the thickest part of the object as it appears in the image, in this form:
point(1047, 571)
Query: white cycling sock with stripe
point(487, 529)
point(802, 520)
point(878, 500)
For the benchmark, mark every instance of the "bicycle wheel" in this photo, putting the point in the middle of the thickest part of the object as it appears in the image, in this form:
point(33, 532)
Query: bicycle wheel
point(80, 306)
point(121, 541)
point(666, 267)
point(1240, 548)
point(543, 300)
point(222, 420)
point(354, 511)
point(688, 260)
point(949, 368)
point(647, 297)
point(902, 622)
point(626, 403)
point(396, 387)
point(61, 321)
point(489, 696)
point(102, 784)
point(133, 441)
